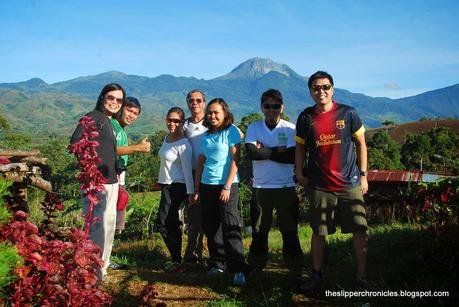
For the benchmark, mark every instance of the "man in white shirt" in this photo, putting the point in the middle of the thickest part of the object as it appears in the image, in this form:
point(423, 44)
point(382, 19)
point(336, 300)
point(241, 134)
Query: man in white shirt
point(193, 130)
point(270, 144)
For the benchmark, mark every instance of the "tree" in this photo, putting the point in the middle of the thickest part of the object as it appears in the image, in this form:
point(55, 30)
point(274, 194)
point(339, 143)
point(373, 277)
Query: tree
point(62, 167)
point(437, 150)
point(383, 152)
point(18, 141)
point(248, 119)
point(416, 152)
point(4, 125)
point(143, 169)
point(387, 124)
point(445, 153)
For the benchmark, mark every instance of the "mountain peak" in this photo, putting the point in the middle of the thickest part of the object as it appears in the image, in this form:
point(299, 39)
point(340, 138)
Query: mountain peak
point(256, 68)
point(35, 82)
point(113, 74)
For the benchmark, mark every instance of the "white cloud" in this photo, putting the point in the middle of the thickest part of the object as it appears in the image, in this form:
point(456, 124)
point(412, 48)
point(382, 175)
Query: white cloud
point(392, 86)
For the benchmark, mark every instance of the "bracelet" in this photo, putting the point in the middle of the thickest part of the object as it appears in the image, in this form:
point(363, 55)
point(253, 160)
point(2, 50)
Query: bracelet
point(227, 187)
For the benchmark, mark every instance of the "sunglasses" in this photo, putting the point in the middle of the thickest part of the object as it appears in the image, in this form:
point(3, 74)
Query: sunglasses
point(197, 100)
point(268, 106)
point(173, 120)
point(111, 98)
point(325, 87)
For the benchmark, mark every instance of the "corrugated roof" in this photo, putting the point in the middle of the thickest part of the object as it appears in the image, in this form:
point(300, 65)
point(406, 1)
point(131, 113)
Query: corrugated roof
point(393, 176)
point(404, 176)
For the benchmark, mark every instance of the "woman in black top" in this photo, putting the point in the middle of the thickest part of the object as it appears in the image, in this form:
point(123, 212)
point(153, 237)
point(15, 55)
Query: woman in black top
point(102, 230)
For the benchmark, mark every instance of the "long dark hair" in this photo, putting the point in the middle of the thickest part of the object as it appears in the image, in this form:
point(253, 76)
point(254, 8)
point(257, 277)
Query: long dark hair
point(228, 119)
point(108, 88)
point(177, 110)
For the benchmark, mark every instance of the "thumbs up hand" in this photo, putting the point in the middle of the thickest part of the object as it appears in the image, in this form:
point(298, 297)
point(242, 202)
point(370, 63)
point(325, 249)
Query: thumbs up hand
point(144, 145)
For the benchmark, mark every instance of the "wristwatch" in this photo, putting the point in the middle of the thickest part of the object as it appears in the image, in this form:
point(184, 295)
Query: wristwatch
point(363, 173)
point(227, 187)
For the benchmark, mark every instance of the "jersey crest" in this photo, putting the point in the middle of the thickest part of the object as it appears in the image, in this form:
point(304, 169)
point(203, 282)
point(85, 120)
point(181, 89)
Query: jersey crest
point(340, 124)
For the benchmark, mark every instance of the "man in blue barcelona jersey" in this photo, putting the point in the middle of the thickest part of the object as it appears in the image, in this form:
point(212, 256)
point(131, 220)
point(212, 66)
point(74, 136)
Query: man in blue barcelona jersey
point(332, 137)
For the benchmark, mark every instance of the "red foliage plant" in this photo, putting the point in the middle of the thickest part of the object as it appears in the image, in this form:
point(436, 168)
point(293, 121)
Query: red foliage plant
point(438, 202)
point(90, 178)
point(59, 267)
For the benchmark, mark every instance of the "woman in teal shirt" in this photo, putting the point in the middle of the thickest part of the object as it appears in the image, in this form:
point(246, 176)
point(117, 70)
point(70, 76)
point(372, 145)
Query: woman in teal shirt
point(216, 186)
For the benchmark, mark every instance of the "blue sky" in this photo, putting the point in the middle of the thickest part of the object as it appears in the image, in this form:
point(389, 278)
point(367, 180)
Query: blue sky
point(378, 48)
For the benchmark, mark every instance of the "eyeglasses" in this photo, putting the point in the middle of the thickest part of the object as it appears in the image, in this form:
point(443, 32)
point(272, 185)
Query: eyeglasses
point(197, 100)
point(111, 98)
point(268, 106)
point(325, 87)
point(173, 120)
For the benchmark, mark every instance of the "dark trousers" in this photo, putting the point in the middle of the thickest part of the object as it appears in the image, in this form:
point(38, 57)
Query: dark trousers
point(225, 249)
point(193, 250)
point(167, 222)
point(285, 202)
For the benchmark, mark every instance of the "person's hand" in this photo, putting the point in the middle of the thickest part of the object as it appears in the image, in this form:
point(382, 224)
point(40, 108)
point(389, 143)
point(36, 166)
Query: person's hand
point(224, 196)
point(260, 145)
point(364, 184)
point(144, 145)
point(303, 181)
point(194, 198)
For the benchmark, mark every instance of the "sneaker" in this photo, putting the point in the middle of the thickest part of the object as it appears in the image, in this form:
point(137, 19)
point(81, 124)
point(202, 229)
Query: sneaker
point(116, 266)
point(239, 279)
point(213, 271)
point(311, 285)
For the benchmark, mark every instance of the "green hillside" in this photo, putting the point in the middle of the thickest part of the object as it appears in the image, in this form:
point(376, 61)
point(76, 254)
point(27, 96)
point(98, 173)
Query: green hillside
point(36, 105)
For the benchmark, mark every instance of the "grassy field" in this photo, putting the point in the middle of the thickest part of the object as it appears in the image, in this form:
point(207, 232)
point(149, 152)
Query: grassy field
point(401, 257)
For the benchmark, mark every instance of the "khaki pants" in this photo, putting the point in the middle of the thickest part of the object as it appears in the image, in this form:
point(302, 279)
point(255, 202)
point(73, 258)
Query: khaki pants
point(102, 231)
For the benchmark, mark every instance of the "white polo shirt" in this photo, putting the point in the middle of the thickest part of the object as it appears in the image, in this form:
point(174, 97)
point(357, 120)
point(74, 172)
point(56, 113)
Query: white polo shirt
point(193, 132)
point(268, 173)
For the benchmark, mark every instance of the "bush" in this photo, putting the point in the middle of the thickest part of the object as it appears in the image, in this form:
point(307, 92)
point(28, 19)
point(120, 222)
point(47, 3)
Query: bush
point(58, 268)
point(245, 196)
point(438, 203)
point(9, 260)
point(9, 256)
point(141, 214)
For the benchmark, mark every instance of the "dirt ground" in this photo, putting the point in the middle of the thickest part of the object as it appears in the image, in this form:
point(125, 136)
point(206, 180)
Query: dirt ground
point(271, 287)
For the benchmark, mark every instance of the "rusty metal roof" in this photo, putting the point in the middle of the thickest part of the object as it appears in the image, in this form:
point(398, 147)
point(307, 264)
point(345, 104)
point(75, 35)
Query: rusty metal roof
point(402, 176)
point(393, 176)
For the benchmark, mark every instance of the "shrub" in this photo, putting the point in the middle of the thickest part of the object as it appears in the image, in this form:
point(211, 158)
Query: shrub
point(9, 260)
point(141, 214)
point(59, 267)
point(438, 203)
point(245, 196)
point(9, 256)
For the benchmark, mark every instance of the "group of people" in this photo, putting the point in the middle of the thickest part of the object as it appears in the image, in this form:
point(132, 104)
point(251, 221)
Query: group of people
point(324, 152)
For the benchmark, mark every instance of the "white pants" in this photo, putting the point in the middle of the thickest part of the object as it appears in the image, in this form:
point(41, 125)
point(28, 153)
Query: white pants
point(102, 231)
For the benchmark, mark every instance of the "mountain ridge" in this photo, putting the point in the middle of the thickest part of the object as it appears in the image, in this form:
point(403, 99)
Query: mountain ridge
point(241, 88)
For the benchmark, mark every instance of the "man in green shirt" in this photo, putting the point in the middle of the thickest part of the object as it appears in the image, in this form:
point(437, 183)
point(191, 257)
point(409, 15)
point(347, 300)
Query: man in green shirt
point(126, 116)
